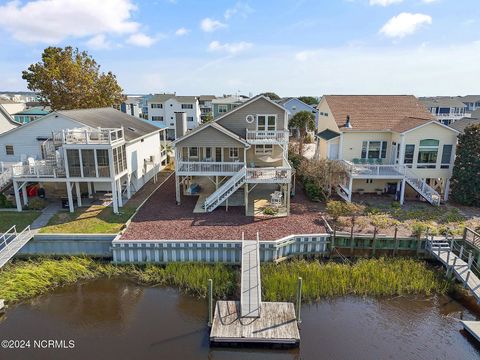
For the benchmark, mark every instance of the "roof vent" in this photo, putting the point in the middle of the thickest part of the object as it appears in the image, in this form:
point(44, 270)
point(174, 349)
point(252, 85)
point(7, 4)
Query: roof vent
point(348, 124)
point(131, 129)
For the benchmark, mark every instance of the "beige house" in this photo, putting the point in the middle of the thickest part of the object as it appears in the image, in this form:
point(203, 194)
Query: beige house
point(236, 159)
point(386, 143)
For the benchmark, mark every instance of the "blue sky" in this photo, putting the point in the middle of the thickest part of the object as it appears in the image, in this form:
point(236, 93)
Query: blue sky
point(421, 47)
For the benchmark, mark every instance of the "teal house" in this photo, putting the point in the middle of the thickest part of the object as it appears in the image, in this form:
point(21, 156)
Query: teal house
point(28, 115)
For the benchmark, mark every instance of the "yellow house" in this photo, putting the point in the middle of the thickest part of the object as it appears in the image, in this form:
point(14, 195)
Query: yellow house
point(387, 142)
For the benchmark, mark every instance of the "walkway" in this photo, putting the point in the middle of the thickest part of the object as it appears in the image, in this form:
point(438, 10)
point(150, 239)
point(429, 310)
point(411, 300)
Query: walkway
point(11, 242)
point(458, 262)
point(250, 299)
point(45, 217)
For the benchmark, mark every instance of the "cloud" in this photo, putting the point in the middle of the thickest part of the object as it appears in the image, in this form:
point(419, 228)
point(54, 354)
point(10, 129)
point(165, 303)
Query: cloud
point(385, 2)
point(182, 31)
point(239, 8)
point(142, 40)
point(231, 48)
point(51, 21)
point(405, 24)
point(99, 42)
point(429, 1)
point(210, 25)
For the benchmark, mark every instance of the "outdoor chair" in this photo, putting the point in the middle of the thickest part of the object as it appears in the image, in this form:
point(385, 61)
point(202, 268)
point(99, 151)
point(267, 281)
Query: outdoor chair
point(356, 161)
point(363, 161)
point(371, 161)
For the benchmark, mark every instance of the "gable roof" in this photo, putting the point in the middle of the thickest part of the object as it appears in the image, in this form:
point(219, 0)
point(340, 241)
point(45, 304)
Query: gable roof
point(469, 98)
point(133, 127)
point(442, 101)
point(463, 123)
point(216, 126)
point(250, 101)
point(378, 112)
point(159, 98)
point(288, 99)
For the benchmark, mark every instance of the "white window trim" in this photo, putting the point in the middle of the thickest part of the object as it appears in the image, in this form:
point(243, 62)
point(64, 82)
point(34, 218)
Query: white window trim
point(368, 148)
point(266, 121)
point(193, 157)
point(230, 153)
point(223, 107)
point(261, 150)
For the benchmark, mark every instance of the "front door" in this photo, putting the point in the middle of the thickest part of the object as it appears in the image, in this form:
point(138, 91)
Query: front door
point(218, 154)
point(333, 151)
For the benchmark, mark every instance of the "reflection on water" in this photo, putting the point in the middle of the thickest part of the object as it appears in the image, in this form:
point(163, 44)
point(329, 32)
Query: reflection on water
point(115, 319)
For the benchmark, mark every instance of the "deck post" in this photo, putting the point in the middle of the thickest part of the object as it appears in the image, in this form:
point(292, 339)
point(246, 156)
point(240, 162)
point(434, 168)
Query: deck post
point(18, 201)
point(119, 193)
point(25, 195)
point(395, 249)
point(461, 252)
point(114, 197)
point(402, 192)
point(79, 195)
point(299, 300)
point(70, 196)
point(210, 302)
point(245, 195)
point(448, 257)
point(287, 198)
point(350, 188)
point(89, 189)
point(177, 190)
point(465, 284)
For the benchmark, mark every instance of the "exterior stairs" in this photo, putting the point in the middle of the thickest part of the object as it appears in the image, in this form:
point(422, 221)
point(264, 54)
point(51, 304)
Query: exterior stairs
point(11, 242)
point(224, 191)
point(422, 188)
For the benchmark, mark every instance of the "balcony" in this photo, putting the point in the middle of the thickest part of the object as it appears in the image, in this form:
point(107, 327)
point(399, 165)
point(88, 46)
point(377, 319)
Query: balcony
point(371, 171)
point(269, 175)
point(85, 136)
point(208, 168)
point(267, 137)
point(40, 169)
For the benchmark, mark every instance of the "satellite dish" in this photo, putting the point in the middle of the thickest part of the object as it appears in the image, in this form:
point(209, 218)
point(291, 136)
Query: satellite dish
point(250, 119)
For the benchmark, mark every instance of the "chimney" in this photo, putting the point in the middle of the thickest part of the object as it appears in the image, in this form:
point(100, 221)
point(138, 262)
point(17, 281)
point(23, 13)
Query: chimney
point(180, 124)
point(348, 125)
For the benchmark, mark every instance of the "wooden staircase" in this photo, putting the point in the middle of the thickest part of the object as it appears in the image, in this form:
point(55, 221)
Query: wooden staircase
point(224, 191)
point(421, 187)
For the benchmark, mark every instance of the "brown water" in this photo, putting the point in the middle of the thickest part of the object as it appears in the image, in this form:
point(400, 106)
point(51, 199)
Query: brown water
point(115, 319)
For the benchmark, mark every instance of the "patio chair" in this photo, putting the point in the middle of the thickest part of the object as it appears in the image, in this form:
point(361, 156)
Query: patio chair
point(379, 162)
point(356, 161)
point(371, 161)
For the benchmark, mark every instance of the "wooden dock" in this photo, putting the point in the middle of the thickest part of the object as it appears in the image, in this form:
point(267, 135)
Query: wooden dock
point(276, 325)
point(473, 327)
point(250, 297)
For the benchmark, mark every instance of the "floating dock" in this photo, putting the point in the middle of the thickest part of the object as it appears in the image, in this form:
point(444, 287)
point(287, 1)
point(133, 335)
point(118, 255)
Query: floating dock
point(250, 320)
point(473, 327)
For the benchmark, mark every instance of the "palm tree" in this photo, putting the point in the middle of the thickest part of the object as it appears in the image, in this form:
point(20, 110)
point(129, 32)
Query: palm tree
point(303, 121)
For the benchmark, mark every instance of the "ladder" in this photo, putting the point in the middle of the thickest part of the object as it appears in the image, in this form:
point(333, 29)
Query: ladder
point(224, 191)
point(421, 187)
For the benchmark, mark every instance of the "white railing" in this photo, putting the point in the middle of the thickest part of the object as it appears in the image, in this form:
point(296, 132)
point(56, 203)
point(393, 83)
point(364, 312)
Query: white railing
point(6, 176)
point(224, 191)
point(39, 169)
point(267, 137)
point(11, 242)
point(89, 136)
point(429, 193)
point(207, 167)
point(269, 175)
point(372, 170)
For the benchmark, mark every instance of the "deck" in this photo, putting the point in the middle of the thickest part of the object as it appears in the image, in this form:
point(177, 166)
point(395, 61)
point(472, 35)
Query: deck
point(250, 298)
point(277, 325)
point(473, 327)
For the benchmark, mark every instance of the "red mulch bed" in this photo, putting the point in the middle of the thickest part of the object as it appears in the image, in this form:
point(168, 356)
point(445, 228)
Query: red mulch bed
point(161, 219)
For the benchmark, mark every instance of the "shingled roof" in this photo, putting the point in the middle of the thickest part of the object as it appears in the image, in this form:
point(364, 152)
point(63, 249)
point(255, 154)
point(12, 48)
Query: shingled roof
point(378, 112)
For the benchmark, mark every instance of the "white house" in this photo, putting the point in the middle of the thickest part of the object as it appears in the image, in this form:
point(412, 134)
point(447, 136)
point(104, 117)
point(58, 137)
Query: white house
point(162, 109)
point(90, 149)
point(7, 108)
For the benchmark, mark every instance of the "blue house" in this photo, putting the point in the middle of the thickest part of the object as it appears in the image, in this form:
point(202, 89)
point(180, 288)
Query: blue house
point(294, 105)
point(26, 116)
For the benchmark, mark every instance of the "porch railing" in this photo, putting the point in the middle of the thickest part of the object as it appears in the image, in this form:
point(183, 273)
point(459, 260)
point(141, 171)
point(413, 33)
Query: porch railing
point(89, 136)
point(267, 137)
point(269, 175)
point(205, 167)
point(39, 169)
point(370, 170)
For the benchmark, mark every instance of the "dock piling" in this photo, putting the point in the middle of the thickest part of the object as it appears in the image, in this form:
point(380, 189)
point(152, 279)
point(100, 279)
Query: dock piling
point(299, 300)
point(210, 302)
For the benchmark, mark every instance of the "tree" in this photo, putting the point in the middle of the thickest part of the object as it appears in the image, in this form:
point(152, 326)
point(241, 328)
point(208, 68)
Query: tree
point(309, 100)
point(271, 95)
point(320, 177)
point(379, 222)
point(466, 171)
point(303, 121)
point(208, 118)
point(70, 79)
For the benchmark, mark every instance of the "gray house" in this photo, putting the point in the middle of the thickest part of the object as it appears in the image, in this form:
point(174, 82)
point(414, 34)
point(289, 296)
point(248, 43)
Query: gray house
point(239, 159)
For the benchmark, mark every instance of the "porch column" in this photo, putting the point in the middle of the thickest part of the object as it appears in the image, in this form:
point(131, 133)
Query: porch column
point(79, 195)
point(401, 155)
point(402, 192)
point(246, 198)
point(89, 187)
point(129, 190)
point(177, 190)
point(70, 196)
point(350, 188)
point(114, 197)
point(119, 193)
point(340, 147)
point(16, 190)
point(446, 189)
point(288, 198)
point(25, 195)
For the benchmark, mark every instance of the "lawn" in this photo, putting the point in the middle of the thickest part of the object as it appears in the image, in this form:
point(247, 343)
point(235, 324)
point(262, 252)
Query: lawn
point(21, 219)
point(95, 219)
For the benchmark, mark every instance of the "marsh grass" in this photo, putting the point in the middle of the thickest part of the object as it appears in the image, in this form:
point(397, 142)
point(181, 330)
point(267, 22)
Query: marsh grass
point(374, 277)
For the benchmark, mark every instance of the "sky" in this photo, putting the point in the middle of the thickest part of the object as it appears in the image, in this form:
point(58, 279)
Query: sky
point(293, 48)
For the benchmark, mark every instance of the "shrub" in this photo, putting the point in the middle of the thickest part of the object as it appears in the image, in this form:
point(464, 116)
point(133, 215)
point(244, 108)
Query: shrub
point(36, 204)
point(313, 191)
point(270, 211)
point(5, 203)
point(420, 228)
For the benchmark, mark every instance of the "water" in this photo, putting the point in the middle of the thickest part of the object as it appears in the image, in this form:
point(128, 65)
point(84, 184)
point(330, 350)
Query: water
point(115, 319)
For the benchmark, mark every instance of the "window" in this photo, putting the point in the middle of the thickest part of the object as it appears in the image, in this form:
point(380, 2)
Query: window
point(157, 118)
point(9, 150)
point(446, 156)
point(189, 118)
point(187, 106)
point(193, 152)
point(374, 150)
point(222, 109)
point(266, 122)
point(263, 149)
point(427, 153)
point(208, 153)
point(233, 153)
point(409, 151)
point(73, 157)
point(103, 163)
point(119, 159)
point(156, 106)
